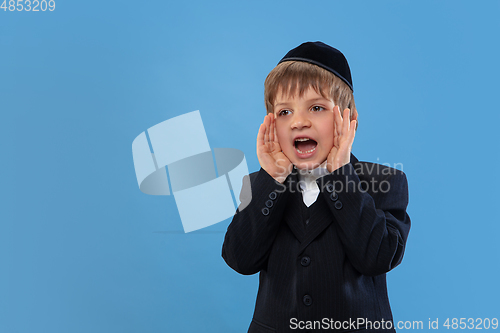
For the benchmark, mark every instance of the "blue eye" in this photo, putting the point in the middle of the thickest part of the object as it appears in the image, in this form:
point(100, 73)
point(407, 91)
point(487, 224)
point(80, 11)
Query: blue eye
point(284, 112)
point(317, 108)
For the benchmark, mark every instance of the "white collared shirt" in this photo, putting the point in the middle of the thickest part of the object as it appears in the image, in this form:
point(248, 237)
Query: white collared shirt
point(308, 185)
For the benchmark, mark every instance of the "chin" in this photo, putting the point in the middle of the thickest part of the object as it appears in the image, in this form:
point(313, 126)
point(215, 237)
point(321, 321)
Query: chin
point(307, 165)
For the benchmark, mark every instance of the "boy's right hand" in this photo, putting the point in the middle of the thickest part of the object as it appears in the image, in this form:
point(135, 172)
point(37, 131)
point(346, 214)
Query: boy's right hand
point(269, 153)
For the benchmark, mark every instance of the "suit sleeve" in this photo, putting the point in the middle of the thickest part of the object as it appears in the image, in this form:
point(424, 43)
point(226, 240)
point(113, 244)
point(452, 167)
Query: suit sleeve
point(250, 235)
point(370, 212)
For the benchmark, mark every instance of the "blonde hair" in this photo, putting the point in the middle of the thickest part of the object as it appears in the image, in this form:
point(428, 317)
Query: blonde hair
point(291, 77)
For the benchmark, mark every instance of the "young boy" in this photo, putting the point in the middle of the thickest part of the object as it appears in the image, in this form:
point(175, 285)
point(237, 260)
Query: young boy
point(321, 227)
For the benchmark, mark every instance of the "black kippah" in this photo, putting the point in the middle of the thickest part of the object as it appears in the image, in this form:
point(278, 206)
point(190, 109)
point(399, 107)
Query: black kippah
point(324, 56)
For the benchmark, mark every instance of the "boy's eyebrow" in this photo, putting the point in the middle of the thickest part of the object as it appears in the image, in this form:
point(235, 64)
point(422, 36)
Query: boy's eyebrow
point(318, 99)
point(309, 101)
point(278, 104)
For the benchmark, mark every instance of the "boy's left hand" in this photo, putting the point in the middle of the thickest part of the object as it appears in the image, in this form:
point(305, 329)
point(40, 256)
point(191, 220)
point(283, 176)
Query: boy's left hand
point(344, 131)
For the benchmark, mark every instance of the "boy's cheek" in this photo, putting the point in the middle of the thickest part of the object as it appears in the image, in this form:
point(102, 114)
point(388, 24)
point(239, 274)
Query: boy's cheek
point(329, 146)
point(282, 138)
point(287, 149)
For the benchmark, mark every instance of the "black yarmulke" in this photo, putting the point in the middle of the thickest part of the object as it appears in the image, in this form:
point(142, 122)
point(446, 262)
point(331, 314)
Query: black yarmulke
point(324, 56)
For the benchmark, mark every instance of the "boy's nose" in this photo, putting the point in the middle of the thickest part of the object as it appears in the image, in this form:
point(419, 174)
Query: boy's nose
point(300, 121)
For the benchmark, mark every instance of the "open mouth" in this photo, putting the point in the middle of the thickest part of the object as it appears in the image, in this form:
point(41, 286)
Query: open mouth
point(305, 145)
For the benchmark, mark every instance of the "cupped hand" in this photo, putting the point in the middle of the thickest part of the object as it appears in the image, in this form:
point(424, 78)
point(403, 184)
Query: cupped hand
point(269, 153)
point(344, 132)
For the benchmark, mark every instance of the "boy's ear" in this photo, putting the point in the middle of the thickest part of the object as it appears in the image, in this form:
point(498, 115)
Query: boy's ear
point(354, 116)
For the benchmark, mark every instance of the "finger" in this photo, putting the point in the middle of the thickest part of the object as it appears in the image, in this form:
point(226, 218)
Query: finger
point(335, 137)
point(275, 131)
point(272, 136)
point(338, 120)
point(347, 121)
point(334, 122)
point(266, 132)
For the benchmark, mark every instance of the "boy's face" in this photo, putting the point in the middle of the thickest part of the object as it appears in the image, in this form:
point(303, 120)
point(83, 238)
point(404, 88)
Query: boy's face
point(305, 127)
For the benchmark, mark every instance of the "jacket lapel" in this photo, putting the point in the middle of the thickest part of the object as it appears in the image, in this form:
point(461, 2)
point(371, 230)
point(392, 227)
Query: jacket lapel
point(295, 206)
point(320, 218)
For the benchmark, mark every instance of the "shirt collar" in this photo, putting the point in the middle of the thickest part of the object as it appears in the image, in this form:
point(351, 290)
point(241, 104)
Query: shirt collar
point(308, 178)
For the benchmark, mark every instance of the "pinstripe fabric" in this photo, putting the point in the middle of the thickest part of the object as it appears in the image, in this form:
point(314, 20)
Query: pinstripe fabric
point(334, 267)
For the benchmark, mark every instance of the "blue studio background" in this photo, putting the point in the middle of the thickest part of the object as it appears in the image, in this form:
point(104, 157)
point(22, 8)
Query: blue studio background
point(83, 250)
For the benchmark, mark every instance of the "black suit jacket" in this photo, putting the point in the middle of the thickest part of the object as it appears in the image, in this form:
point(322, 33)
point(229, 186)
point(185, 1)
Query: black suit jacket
point(329, 272)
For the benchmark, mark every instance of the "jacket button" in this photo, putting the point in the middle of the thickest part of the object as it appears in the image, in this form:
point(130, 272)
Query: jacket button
point(305, 261)
point(272, 195)
point(307, 300)
point(334, 196)
point(265, 211)
point(269, 203)
point(338, 204)
point(329, 187)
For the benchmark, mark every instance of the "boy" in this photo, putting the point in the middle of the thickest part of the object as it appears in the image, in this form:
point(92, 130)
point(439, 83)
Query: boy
point(321, 227)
